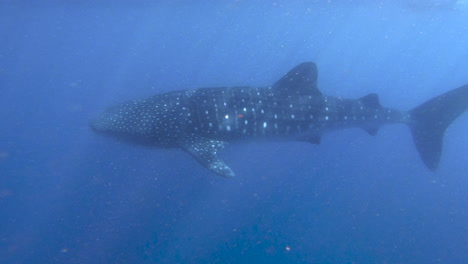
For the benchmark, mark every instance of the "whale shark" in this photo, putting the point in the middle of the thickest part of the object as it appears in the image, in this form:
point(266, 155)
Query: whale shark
point(202, 121)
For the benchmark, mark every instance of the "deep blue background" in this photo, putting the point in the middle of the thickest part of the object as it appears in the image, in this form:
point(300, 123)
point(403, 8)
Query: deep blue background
point(70, 196)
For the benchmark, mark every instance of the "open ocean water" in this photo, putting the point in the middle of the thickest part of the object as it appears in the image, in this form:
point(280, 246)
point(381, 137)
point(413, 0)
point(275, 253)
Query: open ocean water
point(68, 195)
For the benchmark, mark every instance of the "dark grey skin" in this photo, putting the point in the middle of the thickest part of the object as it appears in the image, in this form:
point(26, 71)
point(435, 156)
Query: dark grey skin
point(201, 121)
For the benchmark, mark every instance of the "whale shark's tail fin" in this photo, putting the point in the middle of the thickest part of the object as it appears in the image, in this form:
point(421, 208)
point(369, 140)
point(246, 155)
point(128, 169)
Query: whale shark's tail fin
point(430, 120)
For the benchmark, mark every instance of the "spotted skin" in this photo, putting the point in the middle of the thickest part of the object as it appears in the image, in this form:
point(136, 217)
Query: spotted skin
point(158, 121)
point(230, 114)
point(201, 121)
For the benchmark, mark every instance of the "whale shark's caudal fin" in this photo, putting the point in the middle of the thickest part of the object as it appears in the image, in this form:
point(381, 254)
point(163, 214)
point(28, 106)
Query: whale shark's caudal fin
point(430, 120)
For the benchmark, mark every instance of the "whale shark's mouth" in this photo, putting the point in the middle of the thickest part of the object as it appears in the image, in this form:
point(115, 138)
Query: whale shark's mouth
point(94, 124)
point(100, 125)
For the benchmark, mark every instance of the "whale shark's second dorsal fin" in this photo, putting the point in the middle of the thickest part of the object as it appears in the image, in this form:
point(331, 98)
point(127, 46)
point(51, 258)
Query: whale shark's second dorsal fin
point(301, 80)
point(371, 101)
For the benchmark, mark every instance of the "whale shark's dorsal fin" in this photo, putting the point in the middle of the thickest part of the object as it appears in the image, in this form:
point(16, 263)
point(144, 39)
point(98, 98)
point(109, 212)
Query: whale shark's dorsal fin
point(301, 80)
point(205, 152)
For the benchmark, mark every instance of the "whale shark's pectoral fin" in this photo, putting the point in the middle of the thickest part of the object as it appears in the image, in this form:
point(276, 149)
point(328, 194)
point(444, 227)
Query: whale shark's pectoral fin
point(205, 151)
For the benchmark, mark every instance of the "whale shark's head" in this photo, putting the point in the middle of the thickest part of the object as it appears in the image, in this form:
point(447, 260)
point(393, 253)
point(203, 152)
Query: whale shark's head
point(125, 121)
point(100, 124)
point(109, 122)
point(151, 121)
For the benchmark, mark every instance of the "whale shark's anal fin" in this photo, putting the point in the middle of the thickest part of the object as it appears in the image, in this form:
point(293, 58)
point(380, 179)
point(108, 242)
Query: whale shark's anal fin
point(205, 152)
point(312, 139)
point(371, 101)
point(372, 130)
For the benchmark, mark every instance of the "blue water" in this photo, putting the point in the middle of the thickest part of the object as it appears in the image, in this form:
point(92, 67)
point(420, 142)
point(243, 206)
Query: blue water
point(70, 196)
